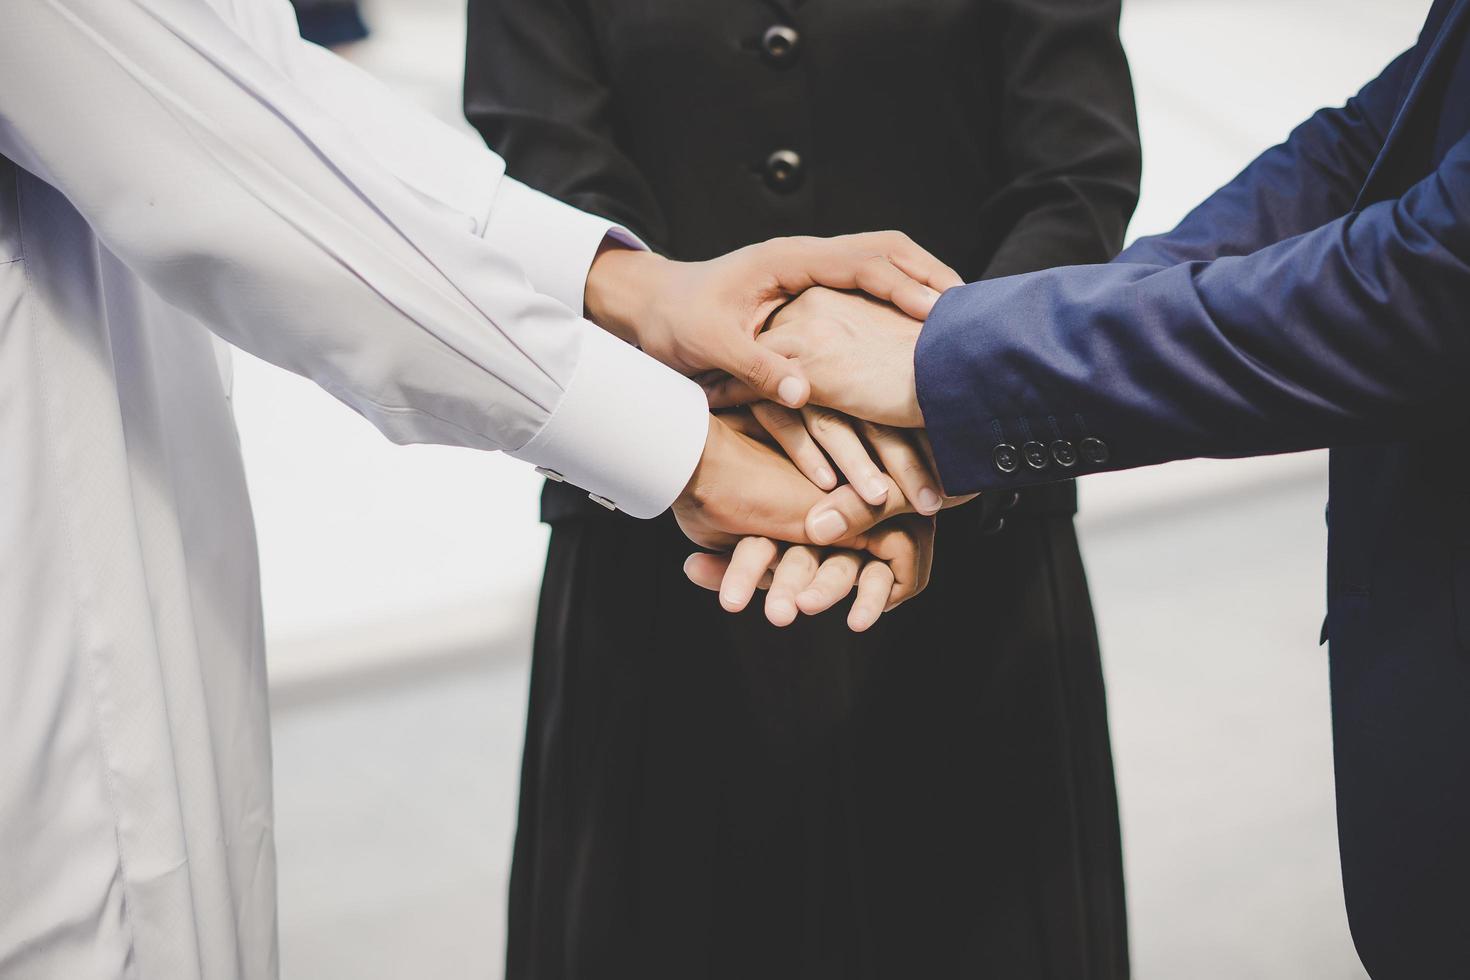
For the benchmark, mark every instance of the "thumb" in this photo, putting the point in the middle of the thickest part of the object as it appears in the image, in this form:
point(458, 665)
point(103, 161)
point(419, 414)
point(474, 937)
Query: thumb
point(727, 392)
point(844, 517)
point(774, 376)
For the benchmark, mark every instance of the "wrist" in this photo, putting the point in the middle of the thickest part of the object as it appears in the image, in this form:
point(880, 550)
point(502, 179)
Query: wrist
point(913, 411)
point(696, 490)
point(621, 284)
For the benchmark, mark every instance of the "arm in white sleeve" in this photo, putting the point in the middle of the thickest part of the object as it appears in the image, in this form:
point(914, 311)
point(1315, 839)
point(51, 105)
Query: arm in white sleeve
point(451, 169)
point(247, 204)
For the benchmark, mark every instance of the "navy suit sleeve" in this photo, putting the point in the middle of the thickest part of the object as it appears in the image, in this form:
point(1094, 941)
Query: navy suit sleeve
point(1355, 332)
point(1302, 184)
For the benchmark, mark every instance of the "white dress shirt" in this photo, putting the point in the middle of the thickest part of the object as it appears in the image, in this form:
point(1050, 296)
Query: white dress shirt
point(172, 171)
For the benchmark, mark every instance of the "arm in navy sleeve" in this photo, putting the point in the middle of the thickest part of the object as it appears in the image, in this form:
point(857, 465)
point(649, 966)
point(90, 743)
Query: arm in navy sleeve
point(1302, 184)
point(1354, 332)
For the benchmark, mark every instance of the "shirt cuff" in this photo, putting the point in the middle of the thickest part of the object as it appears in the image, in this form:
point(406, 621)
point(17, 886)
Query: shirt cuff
point(627, 428)
point(553, 241)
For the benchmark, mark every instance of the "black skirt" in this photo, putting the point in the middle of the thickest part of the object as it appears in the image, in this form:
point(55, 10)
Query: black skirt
point(706, 796)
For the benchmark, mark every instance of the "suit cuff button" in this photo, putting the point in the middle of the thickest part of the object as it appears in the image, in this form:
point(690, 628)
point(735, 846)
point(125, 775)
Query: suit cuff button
point(1064, 453)
point(1036, 455)
point(1095, 451)
point(1006, 459)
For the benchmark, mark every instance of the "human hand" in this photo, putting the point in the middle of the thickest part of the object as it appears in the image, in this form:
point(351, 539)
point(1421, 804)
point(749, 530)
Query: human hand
point(857, 355)
point(817, 438)
point(744, 488)
point(704, 316)
point(808, 580)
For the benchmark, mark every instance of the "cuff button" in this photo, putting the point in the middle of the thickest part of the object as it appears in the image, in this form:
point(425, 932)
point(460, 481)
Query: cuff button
point(551, 475)
point(1036, 455)
point(602, 501)
point(1005, 458)
point(1094, 450)
point(1064, 453)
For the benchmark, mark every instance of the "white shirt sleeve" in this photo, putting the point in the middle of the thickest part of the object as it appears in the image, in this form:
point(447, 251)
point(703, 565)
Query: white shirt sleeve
point(392, 263)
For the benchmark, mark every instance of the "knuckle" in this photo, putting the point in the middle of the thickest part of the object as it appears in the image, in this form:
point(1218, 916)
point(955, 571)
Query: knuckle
point(703, 498)
point(825, 420)
point(758, 374)
point(875, 272)
point(784, 421)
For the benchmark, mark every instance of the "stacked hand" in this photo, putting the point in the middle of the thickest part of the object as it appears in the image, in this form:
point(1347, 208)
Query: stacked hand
point(769, 492)
point(747, 495)
point(706, 316)
point(857, 355)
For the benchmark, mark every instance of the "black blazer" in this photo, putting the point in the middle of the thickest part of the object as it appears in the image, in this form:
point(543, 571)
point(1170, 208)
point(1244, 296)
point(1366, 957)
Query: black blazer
point(999, 134)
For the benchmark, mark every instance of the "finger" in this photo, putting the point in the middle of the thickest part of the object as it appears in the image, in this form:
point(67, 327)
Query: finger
point(843, 517)
point(727, 392)
point(905, 253)
point(926, 554)
point(795, 571)
point(906, 464)
point(874, 585)
point(744, 422)
point(887, 265)
point(788, 427)
point(726, 389)
point(763, 370)
point(706, 570)
point(834, 580)
point(906, 545)
point(922, 438)
point(837, 434)
point(749, 563)
point(881, 279)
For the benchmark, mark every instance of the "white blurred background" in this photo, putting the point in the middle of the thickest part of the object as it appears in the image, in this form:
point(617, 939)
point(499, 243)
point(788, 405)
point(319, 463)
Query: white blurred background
point(400, 588)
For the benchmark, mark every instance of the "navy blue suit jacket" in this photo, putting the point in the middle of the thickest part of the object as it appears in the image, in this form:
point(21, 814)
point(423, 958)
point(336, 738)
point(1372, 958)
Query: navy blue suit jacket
point(1322, 298)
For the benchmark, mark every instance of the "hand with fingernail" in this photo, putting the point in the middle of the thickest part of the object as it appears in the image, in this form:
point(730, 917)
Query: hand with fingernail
point(801, 579)
point(856, 353)
point(747, 498)
point(705, 316)
point(831, 449)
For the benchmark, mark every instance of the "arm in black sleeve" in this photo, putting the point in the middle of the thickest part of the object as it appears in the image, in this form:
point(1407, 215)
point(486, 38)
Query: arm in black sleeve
point(1067, 135)
point(536, 91)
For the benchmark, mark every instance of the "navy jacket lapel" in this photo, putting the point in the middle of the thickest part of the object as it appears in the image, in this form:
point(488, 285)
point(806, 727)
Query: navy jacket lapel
point(1442, 42)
